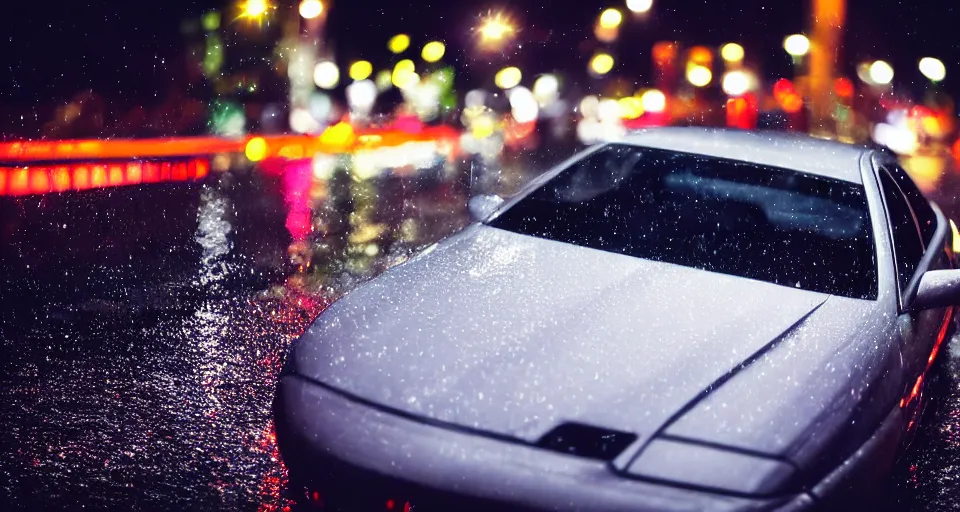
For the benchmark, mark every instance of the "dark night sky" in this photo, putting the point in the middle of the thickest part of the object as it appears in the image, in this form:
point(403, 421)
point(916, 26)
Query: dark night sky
point(129, 49)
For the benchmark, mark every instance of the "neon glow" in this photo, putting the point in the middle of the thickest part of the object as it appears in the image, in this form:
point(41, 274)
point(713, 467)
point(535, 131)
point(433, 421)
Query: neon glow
point(45, 179)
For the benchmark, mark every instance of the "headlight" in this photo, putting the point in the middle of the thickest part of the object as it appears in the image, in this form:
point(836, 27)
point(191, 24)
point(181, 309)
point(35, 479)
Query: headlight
point(713, 468)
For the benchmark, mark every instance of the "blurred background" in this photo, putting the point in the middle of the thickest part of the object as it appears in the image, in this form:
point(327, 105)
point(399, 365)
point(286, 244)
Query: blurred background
point(506, 77)
point(186, 184)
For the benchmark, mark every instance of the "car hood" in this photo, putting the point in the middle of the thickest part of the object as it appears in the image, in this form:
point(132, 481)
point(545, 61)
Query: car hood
point(513, 335)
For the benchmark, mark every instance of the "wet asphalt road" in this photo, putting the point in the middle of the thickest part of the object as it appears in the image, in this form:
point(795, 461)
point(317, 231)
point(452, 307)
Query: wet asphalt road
point(143, 328)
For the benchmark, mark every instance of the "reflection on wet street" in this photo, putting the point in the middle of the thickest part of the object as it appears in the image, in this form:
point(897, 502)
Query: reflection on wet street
point(143, 328)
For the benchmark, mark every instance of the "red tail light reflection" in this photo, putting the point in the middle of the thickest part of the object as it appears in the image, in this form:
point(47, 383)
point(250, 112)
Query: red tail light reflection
point(20, 181)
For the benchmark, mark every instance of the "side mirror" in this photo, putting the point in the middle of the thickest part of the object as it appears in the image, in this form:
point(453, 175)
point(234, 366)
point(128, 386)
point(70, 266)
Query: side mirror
point(937, 289)
point(481, 207)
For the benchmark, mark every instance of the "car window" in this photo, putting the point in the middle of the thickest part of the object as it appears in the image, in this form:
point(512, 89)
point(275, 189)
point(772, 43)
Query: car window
point(726, 216)
point(907, 242)
point(923, 212)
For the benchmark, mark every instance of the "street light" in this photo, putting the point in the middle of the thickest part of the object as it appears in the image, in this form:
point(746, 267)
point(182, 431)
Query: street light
point(699, 76)
point(639, 6)
point(731, 52)
point(361, 70)
point(610, 18)
point(508, 78)
point(601, 64)
point(933, 69)
point(433, 51)
point(881, 73)
point(399, 43)
point(254, 8)
point(735, 83)
point(494, 30)
point(797, 45)
point(310, 9)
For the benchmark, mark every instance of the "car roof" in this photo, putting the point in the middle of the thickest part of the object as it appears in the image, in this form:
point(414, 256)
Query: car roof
point(803, 153)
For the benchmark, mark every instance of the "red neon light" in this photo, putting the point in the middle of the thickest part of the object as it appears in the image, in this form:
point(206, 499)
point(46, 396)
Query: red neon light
point(134, 173)
point(151, 172)
point(39, 180)
point(98, 176)
point(81, 177)
point(179, 172)
point(18, 181)
point(116, 176)
point(61, 178)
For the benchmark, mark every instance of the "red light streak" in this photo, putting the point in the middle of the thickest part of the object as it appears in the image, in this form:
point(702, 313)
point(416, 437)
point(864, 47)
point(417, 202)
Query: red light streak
point(19, 181)
point(81, 177)
point(61, 179)
point(947, 318)
point(296, 145)
point(116, 175)
point(98, 177)
point(39, 180)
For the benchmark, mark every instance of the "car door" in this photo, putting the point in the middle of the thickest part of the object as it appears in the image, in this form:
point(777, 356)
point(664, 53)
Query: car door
point(913, 225)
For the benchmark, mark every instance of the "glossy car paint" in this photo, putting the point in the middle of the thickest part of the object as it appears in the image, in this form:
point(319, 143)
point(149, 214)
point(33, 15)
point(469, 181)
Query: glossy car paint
point(506, 336)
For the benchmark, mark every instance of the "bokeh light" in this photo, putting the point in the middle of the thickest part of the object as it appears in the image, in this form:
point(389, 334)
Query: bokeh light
point(731, 52)
point(254, 8)
point(361, 70)
point(631, 107)
point(256, 149)
point(601, 63)
point(797, 45)
point(361, 96)
point(399, 43)
point(508, 78)
point(639, 6)
point(546, 88)
point(494, 30)
point(610, 18)
point(433, 51)
point(523, 106)
point(699, 76)
point(735, 83)
point(933, 69)
point(326, 74)
point(404, 74)
point(881, 73)
point(653, 101)
point(310, 9)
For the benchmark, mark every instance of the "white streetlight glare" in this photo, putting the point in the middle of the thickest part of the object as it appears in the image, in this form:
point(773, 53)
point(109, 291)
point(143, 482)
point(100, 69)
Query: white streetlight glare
point(933, 69)
point(310, 9)
point(881, 73)
point(639, 6)
point(546, 88)
point(653, 101)
point(797, 45)
point(326, 74)
point(255, 8)
point(735, 83)
point(495, 30)
point(508, 78)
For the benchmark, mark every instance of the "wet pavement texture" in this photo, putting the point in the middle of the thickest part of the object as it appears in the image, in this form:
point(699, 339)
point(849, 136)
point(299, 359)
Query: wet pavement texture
point(143, 328)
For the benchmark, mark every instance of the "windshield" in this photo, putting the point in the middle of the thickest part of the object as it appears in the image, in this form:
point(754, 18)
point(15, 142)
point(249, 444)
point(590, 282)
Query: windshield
point(737, 218)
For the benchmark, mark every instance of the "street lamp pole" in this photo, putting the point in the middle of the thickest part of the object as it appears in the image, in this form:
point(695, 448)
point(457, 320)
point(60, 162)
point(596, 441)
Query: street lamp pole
point(827, 20)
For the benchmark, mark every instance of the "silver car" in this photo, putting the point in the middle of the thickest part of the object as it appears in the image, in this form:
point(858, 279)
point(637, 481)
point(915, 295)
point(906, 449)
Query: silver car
point(690, 319)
